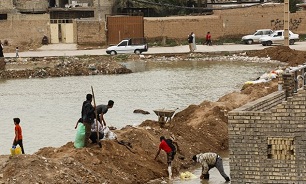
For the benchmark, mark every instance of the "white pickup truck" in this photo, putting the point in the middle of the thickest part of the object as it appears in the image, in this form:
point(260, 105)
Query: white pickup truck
point(127, 46)
point(254, 38)
point(277, 37)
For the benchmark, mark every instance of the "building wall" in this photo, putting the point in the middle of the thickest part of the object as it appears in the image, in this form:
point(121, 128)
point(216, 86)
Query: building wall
point(103, 8)
point(6, 5)
point(267, 140)
point(225, 22)
point(32, 5)
point(90, 32)
point(24, 28)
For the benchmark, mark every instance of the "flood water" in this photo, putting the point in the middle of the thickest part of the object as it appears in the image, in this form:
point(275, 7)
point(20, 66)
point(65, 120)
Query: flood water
point(214, 175)
point(49, 108)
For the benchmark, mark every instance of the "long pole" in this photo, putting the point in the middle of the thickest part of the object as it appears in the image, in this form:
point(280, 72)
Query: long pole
point(98, 137)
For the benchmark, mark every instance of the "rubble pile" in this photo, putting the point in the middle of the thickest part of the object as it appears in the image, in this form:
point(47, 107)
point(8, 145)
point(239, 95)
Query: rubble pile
point(60, 67)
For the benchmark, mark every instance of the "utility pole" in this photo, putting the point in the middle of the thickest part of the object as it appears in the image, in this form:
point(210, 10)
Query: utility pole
point(286, 23)
point(99, 10)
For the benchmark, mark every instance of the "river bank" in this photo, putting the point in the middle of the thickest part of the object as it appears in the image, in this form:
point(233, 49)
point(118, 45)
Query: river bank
point(206, 126)
point(45, 67)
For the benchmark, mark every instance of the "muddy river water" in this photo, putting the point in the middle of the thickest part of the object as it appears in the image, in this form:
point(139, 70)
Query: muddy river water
point(49, 108)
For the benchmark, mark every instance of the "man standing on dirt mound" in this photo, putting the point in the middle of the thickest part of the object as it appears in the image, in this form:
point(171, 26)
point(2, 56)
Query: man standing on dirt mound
point(88, 116)
point(170, 149)
point(208, 161)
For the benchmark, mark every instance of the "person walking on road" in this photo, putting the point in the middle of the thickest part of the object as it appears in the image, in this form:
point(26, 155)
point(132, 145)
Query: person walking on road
point(194, 46)
point(102, 109)
point(18, 135)
point(1, 50)
point(208, 161)
point(88, 116)
point(190, 42)
point(208, 39)
point(17, 52)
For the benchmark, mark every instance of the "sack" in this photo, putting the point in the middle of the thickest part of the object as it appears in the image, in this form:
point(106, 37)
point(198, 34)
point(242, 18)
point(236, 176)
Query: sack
point(79, 141)
point(109, 134)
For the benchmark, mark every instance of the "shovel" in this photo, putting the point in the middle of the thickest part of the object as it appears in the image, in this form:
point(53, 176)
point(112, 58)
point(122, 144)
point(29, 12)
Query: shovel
point(98, 138)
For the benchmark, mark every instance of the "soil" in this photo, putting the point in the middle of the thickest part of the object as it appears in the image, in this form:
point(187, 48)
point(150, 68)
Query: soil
point(198, 128)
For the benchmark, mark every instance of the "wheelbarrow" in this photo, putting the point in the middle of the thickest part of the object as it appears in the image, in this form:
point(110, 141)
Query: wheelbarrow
point(164, 115)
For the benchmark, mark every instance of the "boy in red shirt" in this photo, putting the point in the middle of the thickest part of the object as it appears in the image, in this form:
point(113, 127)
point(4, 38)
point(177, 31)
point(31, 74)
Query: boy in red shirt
point(18, 134)
point(169, 148)
point(208, 39)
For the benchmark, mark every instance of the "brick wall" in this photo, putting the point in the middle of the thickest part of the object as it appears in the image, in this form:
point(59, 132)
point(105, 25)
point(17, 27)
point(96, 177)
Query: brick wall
point(224, 22)
point(90, 32)
point(268, 145)
point(24, 28)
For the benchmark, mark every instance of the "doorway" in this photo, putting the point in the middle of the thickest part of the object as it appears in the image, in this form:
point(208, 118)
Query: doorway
point(52, 3)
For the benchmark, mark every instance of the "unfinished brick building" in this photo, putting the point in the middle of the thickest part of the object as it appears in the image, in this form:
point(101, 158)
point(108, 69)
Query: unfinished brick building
point(267, 139)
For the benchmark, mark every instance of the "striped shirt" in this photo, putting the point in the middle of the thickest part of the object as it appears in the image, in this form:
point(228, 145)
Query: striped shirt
point(208, 160)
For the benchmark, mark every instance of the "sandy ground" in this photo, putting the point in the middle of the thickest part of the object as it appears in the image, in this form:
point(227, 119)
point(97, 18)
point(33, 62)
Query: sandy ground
point(198, 128)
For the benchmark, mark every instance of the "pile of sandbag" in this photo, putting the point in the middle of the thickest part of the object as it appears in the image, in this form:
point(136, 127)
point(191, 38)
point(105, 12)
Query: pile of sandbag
point(266, 77)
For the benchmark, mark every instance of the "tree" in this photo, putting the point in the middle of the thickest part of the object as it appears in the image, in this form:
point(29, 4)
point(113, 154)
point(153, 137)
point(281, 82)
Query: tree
point(292, 4)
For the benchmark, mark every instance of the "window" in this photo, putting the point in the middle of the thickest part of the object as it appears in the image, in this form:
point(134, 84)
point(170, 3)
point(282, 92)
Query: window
point(259, 33)
point(123, 43)
point(281, 148)
point(3, 16)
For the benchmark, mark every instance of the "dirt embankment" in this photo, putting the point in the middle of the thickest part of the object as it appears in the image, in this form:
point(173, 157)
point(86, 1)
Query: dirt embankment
point(198, 128)
point(281, 53)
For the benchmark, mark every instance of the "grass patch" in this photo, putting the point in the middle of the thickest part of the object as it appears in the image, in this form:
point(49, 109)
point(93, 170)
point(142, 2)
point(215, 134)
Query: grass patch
point(121, 57)
point(302, 37)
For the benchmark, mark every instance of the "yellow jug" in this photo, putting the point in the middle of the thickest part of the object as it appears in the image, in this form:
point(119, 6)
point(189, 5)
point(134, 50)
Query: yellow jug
point(15, 151)
point(12, 151)
point(18, 151)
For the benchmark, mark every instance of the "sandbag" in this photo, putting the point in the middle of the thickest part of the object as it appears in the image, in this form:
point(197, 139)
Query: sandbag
point(187, 175)
point(108, 134)
point(80, 136)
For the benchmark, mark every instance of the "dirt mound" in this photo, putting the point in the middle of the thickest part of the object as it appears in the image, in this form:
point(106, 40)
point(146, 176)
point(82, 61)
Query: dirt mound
point(281, 53)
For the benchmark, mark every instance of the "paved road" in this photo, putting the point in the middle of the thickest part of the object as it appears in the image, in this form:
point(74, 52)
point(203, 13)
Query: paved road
point(71, 49)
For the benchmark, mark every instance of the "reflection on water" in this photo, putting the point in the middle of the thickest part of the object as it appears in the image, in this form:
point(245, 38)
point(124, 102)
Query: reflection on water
point(49, 108)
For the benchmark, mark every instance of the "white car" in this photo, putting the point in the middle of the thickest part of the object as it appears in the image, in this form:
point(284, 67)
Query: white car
point(127, 46)
point(254, 38)
point(278, 38)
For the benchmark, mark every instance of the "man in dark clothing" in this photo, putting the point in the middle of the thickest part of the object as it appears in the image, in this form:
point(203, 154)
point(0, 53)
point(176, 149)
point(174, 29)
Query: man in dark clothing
point(102, 109)
point(88, 116)
point(190, 41)
point(1, 50)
